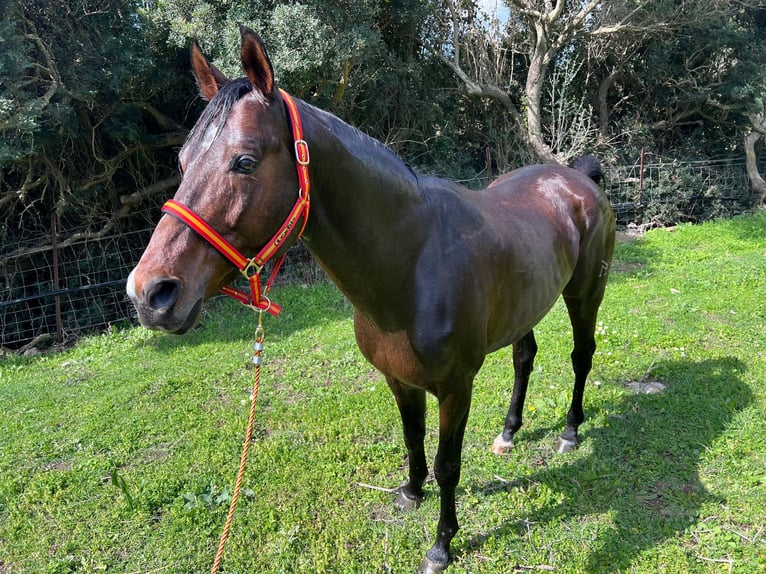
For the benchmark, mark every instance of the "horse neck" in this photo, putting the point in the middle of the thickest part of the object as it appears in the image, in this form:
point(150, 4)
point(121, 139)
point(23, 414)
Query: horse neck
point(365, 204)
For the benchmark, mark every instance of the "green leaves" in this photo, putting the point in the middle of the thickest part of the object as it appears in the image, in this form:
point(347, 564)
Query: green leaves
point(120, 483)
point(210, 496)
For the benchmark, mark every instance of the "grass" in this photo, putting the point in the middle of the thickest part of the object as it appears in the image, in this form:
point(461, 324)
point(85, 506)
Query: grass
point(118, 455)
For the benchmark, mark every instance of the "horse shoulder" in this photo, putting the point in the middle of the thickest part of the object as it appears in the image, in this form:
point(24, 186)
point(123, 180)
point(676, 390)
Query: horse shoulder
point(437, 332)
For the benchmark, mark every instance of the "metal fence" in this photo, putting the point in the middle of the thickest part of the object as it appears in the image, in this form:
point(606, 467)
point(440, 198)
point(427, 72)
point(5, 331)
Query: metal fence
point(56, 291)
point(51, 292)
point(665, 193)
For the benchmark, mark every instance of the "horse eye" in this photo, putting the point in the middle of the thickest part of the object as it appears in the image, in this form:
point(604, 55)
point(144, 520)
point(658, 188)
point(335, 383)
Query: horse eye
point(244, 164)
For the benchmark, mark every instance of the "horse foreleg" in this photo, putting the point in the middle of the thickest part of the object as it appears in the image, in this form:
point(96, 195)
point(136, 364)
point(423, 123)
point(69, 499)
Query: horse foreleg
point(453, 415)
point(412, 408)
point(524, 351)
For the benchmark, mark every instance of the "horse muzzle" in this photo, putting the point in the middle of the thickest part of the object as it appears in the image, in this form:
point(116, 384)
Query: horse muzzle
point(161, 304)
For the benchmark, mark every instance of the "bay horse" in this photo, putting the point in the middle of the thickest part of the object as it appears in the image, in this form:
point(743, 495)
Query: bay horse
point(439, 276)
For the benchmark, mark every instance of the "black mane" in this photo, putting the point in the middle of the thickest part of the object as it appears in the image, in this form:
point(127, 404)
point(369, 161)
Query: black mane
point(220, 106)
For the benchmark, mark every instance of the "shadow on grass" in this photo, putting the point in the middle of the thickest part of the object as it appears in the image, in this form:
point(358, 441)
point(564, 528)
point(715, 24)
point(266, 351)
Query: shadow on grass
point(228, 321)
point(644, 470)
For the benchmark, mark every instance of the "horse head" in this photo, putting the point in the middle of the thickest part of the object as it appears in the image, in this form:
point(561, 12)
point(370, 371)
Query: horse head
point(238, 175)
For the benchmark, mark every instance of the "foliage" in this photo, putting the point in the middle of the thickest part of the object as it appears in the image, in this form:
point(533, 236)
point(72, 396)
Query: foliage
point(80, 93)
point(691, 81)
point(118, 454)
point(96, 95)
point(359, 60)
point(685, 193)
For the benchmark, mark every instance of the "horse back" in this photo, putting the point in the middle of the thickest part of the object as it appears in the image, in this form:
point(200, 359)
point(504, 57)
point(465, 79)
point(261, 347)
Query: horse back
point(565, 201)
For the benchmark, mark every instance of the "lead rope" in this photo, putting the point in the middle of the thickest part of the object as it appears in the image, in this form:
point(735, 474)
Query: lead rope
point(257, 360)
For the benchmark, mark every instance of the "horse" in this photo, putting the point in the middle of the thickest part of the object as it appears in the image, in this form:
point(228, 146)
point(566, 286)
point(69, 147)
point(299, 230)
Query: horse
point(439, 276)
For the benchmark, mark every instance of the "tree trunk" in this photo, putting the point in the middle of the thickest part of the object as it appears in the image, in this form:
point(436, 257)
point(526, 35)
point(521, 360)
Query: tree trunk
point(534, 91)
point(757, 182)
point(603, 104)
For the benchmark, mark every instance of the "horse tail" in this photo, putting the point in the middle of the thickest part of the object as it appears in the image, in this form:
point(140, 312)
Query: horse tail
point(588, 165)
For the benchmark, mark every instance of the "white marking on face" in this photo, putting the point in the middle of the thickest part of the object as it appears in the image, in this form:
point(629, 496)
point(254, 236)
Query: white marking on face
point(131, 285)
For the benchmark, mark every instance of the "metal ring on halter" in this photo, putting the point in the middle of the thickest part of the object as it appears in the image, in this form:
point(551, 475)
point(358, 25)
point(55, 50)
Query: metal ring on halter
point(266, 308)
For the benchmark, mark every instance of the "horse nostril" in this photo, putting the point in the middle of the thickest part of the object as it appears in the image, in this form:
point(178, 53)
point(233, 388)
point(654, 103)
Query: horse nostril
point(162, 293)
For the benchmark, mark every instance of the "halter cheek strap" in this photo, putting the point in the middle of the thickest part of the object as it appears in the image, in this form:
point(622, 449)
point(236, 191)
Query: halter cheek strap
point(251, 267)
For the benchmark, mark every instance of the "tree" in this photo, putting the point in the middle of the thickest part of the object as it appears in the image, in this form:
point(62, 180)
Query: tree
point(81, 94)
point(646, 73)
point(691, 73)
point(359, 59)
point(758, 132)
point(696, 87)
point(510, 61)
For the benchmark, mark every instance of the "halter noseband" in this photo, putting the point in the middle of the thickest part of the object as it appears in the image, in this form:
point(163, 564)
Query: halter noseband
point(251, 268)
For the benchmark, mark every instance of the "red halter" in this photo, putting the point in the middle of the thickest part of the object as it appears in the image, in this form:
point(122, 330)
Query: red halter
point(251, 268)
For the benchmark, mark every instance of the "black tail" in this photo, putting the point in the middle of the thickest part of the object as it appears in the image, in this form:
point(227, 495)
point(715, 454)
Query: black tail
point(588, 165)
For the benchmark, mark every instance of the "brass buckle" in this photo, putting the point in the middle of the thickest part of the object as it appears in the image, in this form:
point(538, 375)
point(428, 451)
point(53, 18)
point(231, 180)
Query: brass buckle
point(251, 269)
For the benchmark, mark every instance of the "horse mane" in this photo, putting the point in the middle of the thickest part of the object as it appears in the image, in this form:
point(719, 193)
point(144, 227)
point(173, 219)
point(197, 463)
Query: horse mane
point(220, 106)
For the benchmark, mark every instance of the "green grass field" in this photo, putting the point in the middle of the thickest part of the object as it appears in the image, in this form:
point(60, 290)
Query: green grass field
point(119, 455)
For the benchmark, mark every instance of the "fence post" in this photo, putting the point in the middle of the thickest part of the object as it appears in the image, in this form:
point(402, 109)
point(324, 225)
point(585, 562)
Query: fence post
point(56, 285)
point(639, 210)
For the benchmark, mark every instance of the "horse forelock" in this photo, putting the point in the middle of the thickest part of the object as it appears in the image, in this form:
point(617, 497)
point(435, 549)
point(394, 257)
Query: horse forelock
point(213, 118)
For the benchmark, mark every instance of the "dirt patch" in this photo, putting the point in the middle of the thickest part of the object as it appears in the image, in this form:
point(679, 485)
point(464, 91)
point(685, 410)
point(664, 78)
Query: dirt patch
point(626, 236)
point(627, 267)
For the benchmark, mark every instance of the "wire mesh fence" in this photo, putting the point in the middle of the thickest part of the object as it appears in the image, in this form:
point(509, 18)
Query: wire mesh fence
point(53, 292)
point(665, 193)
point(59, 291)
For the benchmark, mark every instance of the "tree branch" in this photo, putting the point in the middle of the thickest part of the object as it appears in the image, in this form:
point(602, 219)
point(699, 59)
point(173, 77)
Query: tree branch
point(156, 187)
point(480, 90)
point(165, 122)
point(51, 68)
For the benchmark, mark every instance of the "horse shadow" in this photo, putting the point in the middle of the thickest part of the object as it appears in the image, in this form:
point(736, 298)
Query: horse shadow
point(643, 473)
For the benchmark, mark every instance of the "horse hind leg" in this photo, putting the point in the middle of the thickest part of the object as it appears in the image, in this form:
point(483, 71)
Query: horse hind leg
point(583, 296)
point(524, 351)
point(582, 314)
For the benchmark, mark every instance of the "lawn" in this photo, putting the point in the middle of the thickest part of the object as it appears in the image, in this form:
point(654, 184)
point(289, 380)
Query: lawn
point(119, 454)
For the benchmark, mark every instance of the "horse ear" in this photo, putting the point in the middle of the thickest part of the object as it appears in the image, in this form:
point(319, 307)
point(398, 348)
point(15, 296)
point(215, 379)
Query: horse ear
point(209, 78)
point(256, 63)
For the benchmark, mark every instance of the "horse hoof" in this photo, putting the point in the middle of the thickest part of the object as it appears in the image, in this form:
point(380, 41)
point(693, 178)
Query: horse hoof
point(405, 503)
point(564, 445)
point(428, 566)
point(502, 446)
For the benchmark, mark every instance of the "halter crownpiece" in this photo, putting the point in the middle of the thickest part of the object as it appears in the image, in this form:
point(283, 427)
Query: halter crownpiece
point(251, 267)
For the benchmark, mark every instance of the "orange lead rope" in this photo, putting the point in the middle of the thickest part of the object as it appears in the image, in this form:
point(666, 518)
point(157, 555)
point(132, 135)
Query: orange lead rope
point(257, 360)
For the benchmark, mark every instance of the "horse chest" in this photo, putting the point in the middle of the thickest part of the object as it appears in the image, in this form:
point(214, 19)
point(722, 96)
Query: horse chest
point(391, 353)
